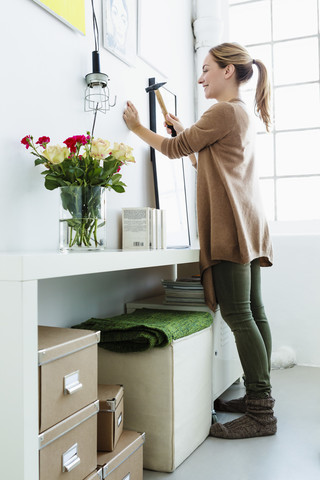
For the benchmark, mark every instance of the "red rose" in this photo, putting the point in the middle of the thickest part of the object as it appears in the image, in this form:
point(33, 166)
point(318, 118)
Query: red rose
point(81, 139)
point(26, 141)
point(71, 142)
point(43, 141)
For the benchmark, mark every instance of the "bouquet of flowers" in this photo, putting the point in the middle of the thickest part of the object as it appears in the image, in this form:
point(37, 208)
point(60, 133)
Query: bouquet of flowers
point(83, 162)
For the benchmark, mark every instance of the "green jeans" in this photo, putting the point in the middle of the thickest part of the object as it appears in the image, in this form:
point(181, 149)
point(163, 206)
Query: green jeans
point(238, 292)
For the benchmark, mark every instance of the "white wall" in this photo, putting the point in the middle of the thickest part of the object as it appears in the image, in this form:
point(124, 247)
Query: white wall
point(43, 65)
point(291, 294)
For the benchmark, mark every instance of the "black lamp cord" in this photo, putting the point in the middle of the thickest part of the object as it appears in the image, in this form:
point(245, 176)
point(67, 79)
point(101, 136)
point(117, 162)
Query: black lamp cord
point(96, 47)
point(95, 28)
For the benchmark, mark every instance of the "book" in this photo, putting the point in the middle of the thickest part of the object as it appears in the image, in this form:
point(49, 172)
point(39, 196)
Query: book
point(137, 228)
point(185, 291)
point(143, 228)
point(163, 228)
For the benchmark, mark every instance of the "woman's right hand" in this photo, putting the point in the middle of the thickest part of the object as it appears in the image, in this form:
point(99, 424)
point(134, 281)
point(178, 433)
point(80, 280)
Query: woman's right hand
point(173, 120)
point(131, 116)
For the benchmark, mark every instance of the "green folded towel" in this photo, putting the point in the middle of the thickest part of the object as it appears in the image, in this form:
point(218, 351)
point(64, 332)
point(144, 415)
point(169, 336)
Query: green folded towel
point(144, 329)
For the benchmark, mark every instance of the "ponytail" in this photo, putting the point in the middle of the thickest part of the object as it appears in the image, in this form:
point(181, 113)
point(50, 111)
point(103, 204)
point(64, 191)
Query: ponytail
point(262, 96)
point(233, 53)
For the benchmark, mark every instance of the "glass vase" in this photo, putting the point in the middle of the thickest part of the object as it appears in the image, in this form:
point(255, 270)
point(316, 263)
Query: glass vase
point(82, 218)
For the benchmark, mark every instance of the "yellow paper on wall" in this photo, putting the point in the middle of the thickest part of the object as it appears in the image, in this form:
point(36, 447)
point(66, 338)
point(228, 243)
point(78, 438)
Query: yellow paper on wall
point(70, 11)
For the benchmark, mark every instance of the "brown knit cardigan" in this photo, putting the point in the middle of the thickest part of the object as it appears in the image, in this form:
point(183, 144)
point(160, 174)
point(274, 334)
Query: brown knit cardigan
point(232, 224)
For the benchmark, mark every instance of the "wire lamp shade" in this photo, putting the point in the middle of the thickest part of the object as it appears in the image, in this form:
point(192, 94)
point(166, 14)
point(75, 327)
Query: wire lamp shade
point(97, 94)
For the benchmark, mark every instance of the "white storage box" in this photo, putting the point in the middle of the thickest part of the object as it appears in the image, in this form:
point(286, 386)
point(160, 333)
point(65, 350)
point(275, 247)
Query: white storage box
point(226, 366)
point(168, 396)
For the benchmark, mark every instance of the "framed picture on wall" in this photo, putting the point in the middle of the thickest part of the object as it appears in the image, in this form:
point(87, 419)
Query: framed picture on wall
point(70, 13)
point(119, 19)
point(169, 178)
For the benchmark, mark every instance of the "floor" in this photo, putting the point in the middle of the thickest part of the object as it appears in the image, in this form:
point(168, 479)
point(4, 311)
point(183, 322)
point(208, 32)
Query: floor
point(292, 454)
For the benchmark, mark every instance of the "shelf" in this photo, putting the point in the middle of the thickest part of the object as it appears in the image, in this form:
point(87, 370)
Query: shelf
point(37, 266)
point(158, 303)
point(20, 275)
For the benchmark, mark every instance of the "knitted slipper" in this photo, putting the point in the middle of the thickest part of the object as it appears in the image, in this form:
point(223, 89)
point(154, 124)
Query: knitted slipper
point(259, 421)
point(237, 405)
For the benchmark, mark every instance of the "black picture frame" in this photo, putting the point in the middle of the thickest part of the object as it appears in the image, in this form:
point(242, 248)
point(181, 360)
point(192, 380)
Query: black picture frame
point(169, 176)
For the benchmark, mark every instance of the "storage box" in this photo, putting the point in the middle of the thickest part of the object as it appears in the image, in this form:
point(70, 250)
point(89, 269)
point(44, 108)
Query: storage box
point(96, 475)
point(67, 361)
point(126, 461)
point(110, 416)
point(69, 448)
point(168, 396)
point(226, 366)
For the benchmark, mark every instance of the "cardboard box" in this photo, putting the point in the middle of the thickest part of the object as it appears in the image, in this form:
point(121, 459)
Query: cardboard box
point(126, 461)
point(96, 475)
point(110, 416)
point(67, 361)
point(69, 448)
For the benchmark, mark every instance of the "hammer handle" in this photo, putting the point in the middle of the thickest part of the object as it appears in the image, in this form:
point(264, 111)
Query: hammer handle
point(162, 105)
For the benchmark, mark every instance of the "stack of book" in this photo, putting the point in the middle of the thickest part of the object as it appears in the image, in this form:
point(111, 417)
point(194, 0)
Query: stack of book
point(184, 291)
point(143, 228)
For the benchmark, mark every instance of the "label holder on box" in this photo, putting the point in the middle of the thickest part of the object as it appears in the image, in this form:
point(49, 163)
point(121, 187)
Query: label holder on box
point(70, 459)
point(119, 419)
point(71, 383)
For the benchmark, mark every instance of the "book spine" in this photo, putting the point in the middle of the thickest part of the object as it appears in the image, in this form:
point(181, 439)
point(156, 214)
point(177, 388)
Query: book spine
point(163, 229)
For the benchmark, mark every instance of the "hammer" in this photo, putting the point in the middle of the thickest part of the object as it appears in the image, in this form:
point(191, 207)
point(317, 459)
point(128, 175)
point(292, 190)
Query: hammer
point(155, 88)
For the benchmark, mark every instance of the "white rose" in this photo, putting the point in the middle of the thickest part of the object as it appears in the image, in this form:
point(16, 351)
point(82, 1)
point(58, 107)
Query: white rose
point(100, 148)
point(122, 152)
point(56, 154)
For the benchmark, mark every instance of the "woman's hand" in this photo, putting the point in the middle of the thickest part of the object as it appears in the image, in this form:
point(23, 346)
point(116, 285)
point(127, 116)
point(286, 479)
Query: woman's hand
point(173, 120)
point(131, 116)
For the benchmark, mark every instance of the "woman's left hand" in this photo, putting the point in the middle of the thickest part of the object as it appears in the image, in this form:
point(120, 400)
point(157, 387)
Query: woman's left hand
point(131, 116)
point(173, 120)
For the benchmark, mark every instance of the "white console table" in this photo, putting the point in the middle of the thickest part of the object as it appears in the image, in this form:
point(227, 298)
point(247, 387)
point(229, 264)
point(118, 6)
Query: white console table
point(19, 277)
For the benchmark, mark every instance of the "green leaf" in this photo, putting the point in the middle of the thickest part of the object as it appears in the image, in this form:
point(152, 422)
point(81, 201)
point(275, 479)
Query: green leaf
point(116, 178)
point(53, 181)
point(39, 161)
point(118, 188)
point(51, 184)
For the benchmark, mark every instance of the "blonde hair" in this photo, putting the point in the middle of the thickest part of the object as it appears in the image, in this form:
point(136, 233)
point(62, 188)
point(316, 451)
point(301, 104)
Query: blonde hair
point(233, 53)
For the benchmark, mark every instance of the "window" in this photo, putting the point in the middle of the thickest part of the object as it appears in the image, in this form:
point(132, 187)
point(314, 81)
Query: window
point(285, 35)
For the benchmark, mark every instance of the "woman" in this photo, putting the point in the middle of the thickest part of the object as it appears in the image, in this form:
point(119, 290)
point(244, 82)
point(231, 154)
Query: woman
point(233, 233)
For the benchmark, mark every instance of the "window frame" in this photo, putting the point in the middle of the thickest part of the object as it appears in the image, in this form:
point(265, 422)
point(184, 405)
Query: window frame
point(296, 225)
